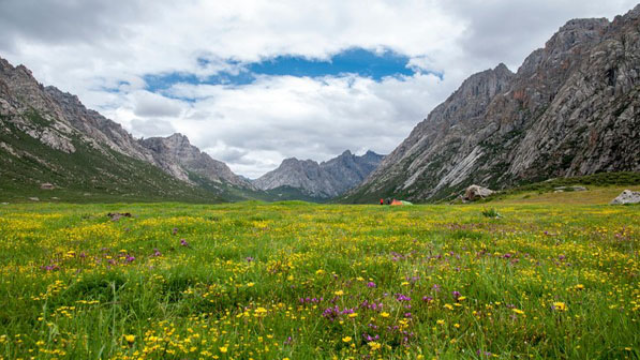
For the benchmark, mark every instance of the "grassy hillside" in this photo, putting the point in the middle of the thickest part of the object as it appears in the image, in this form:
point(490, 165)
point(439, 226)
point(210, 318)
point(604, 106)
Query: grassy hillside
point(301, 281)
point(87, 175)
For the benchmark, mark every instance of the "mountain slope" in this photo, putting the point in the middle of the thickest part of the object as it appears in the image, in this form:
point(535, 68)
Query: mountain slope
point(49, 136)
point(322, 181)
point(573, 108)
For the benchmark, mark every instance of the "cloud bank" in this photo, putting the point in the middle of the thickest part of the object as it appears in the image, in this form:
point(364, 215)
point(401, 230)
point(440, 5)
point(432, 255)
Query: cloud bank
point(253, 81)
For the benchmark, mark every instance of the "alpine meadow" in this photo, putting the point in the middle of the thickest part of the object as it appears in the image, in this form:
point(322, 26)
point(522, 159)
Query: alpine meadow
point(297, 180)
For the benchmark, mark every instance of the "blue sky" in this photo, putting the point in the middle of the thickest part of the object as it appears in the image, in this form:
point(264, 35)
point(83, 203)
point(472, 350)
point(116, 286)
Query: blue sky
point(354, 61)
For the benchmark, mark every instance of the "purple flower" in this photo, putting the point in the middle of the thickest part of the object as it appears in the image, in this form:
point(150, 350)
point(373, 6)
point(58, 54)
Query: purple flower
point(427, 299)
point(407, 315)
point(130, 259)
point(249, 259)
point(183, 242)
point(174, 231)
point(436, 287)
point(371, 284)
point(456, 294)
point(401, 297)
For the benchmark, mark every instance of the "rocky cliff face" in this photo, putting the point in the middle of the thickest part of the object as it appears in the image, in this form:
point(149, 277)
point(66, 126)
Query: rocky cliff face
point(324, 180)
point(178, 157)
point(60, 122)
point(573, 108)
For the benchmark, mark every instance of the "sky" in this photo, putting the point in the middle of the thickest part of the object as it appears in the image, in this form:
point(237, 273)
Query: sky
point(253, 82)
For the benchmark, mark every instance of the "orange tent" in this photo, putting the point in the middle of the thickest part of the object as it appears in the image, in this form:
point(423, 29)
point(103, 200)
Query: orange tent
point(396, 203)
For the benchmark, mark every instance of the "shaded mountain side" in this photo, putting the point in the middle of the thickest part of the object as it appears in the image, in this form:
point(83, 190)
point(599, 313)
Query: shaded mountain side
point(572, 109)
point(309, 179)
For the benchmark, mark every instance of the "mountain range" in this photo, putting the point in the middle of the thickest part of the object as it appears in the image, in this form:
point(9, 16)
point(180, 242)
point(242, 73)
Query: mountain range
point(319, 180)
point(571, 109)
point(49, 137)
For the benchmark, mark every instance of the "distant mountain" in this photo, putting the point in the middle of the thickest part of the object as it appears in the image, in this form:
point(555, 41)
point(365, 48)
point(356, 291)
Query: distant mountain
point(48, 136)
point(307, 178)
point(572, 109)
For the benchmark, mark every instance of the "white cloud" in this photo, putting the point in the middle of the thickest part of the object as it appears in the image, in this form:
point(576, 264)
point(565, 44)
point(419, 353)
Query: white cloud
point(94, 47)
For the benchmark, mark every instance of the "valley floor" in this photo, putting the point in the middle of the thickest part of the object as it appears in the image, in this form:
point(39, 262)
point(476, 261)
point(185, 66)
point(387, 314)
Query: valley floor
point(300, 281)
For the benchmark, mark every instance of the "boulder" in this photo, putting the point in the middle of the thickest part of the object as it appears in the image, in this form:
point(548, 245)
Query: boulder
point(47, 186)
point(475, 192)
point(34, 199)
point(627, 197)
point(579, 188)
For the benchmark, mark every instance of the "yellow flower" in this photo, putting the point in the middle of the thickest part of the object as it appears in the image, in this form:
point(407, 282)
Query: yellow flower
point(353, 315)
point(374, 345)
point(518, 311)
point(250, 284)
point(346, 339)
point(384, 314)
point(559, 306)
point(448, 306)
point(260, 311)
point(440, 322)
point(579, 287)
point(223, 349)
point(339, 293)
point(130, 338)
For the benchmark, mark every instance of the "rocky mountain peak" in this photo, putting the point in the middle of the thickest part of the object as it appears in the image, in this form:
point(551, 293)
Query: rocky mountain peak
point(325, 180)
point(572, 109)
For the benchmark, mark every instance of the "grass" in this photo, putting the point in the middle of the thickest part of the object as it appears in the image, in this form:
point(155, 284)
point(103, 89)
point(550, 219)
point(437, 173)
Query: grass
point(301, 281)
point(600, 195)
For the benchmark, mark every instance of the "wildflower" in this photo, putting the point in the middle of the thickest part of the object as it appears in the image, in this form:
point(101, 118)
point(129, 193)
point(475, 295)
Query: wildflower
point(518, 311)
point(223, 349)
point(346, 339)
point(130, 338)
point(183, 242)
point(559, 306)
point(579, 287)
point(374, 346)
point(427, 298)
point(384, 314)
point(456, 294)
point(260, 311)
point(440, 322)
point(339, 293)
point(250, 284)
point(353, 315)
point(371, 284)
point(249, 259)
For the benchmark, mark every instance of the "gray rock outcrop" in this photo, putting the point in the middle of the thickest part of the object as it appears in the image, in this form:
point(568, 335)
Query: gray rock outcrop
point(627, 197)
point(475, 192)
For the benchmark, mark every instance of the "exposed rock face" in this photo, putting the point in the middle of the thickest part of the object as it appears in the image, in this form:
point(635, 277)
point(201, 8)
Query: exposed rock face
point(572, 109)
point(324, 180)
point(627, 197)
point(475, 192)
point(178, 157)
point(60, 121)
point(47, 186)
